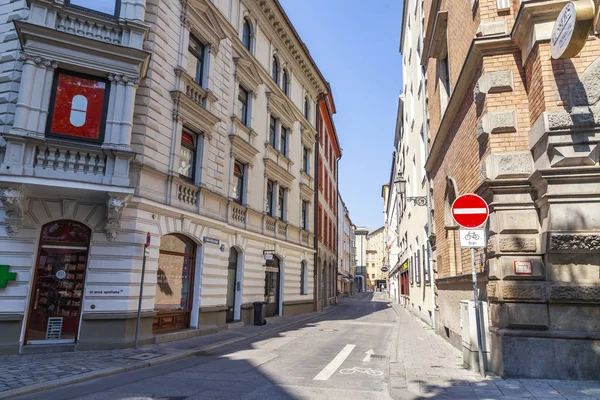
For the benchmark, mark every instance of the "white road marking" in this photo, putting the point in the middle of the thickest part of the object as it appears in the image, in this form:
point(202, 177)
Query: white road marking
point(362, 323)
point(470, 211)
point(368, 357)
point(330, 369)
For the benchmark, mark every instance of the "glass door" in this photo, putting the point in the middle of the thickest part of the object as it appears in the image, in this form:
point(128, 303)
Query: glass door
point(231, 284)
point(174, 284)
point(55, 306)
point(272, 287)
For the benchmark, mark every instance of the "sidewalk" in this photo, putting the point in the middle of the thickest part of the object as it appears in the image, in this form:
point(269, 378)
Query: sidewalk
point(424, 365)
point(23, 374)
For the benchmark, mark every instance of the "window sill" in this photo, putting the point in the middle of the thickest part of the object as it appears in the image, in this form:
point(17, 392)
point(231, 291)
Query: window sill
point(240, 124)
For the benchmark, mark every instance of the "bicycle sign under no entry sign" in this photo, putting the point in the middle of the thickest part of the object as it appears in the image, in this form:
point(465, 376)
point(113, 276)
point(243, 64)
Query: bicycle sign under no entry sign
point(472, 238)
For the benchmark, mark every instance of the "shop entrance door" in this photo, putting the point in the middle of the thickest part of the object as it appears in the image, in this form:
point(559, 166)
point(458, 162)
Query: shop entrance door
point(59, 278)
point(174, 284)
point(272, 287)
point(231, 284)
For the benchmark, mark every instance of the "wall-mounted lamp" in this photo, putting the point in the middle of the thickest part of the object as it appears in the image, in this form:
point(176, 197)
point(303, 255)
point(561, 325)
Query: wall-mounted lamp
point(400, 184)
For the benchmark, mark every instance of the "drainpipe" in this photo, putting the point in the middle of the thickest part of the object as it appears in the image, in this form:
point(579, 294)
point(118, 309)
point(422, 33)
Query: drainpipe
point(429, 210)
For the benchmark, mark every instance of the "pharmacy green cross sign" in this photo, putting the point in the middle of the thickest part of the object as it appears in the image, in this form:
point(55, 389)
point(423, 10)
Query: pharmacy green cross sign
point(6, 276)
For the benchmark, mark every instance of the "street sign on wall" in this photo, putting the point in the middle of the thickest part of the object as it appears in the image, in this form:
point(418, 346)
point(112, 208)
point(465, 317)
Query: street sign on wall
point(470, 211)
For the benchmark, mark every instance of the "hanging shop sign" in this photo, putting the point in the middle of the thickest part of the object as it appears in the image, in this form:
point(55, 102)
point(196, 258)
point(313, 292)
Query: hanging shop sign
point(6, 276)
point(385, 268)
point(572, 28)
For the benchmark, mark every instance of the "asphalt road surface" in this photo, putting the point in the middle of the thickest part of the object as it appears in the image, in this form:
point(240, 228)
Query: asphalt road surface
point(344, 355)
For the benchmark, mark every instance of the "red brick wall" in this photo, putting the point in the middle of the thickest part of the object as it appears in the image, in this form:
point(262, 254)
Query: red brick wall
point(517, 100)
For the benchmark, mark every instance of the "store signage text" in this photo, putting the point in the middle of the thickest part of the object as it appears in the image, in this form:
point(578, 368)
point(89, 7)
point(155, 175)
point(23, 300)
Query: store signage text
point(105, 292)
point(572, 28)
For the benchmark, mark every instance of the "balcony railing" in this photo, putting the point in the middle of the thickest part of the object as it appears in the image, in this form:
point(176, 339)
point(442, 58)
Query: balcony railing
point(64, 160)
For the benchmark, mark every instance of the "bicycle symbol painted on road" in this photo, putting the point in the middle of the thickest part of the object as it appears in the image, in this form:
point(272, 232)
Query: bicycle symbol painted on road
point(368, 371)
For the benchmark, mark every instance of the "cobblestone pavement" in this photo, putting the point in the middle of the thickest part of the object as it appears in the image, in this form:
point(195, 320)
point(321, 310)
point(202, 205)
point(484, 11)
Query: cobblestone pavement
point(427, 366)
point(20, 371)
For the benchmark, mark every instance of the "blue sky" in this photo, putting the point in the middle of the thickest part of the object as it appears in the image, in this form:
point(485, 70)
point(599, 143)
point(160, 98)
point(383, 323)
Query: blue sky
point(355, 44)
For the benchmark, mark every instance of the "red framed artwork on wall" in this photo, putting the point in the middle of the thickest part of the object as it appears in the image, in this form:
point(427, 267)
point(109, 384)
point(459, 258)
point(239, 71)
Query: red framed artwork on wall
point(78, 106)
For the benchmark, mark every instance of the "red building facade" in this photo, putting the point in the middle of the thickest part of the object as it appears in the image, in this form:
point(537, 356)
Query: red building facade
point(328, 155)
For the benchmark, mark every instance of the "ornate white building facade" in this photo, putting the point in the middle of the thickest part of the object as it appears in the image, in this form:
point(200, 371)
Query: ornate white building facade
point(193, 122)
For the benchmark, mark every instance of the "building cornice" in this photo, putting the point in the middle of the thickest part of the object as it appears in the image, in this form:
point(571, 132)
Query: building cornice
point(286, 35)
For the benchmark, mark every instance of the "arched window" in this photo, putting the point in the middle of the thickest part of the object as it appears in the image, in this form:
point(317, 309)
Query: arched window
point(286, 83)
point(247, 35)
point(275, 72)
point(306, 108)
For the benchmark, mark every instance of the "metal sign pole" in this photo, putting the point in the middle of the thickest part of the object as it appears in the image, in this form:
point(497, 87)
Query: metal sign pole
point(477, 315)
point(139, 310)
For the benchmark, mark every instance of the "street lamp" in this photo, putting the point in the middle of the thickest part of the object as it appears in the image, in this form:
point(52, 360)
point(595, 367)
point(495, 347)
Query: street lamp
point(400, 183)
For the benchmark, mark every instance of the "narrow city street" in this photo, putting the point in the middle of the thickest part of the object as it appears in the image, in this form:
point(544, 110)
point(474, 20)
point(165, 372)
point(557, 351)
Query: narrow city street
point(344, 355)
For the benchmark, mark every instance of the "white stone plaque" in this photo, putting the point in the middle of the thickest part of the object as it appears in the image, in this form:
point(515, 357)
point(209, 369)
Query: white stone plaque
point(523, 268)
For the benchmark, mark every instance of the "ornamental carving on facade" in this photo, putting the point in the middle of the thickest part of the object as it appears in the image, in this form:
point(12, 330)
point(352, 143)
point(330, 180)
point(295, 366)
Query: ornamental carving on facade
point(114, 210)
point(575, 242)
point(37, 60)
point(12, 200)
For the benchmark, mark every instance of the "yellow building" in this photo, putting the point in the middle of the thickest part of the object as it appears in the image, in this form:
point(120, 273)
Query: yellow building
point(376, 279)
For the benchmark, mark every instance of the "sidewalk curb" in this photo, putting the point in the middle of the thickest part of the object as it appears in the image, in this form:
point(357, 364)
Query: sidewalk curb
point(38, 387)
point(397, 386)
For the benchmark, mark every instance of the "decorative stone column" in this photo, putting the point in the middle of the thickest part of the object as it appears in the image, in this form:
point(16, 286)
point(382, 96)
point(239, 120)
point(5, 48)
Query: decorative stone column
point(34, 96)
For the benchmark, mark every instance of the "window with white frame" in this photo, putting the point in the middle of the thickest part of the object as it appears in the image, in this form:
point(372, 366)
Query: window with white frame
point(285, 82)
point(418, 263)
point(275, 70)
point(283, 140)
point(305, 160)
point(189, 155)
point(304, 277)
point(273, 122)
point(196, 60)
point(244, 99)
point(247, 35)
point(426, 268)
point(304, 215)
point(269, 201)
point(444, 79)
point(307, 108)
point(239, 172)
point(281, 208)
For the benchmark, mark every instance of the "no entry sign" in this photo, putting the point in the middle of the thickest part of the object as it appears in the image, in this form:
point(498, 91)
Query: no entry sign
point(470, 211)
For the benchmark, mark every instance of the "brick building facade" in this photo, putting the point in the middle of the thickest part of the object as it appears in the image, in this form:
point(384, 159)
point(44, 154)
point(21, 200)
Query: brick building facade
point(329, 153)
point(508, 122)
